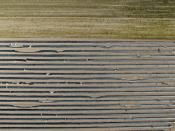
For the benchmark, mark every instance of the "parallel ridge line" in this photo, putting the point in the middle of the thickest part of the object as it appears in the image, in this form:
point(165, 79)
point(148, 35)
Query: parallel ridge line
point(87, 85)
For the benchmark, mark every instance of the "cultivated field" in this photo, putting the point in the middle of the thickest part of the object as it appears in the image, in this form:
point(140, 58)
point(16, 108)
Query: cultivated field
point(95, 19)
